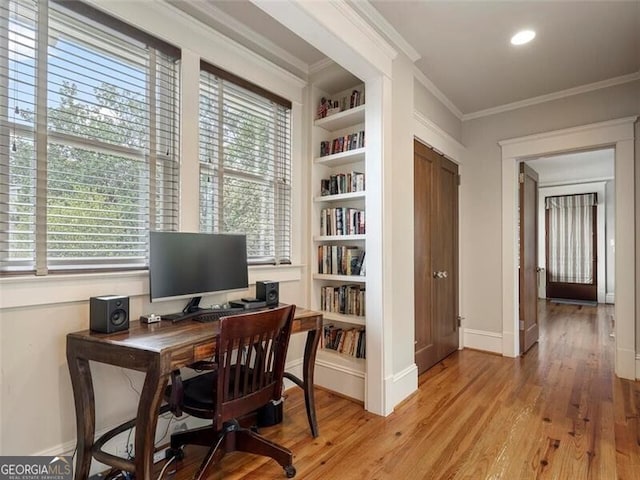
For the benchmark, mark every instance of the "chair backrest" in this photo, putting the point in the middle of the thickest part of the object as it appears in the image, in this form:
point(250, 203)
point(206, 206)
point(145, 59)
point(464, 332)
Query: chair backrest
point(252, 351)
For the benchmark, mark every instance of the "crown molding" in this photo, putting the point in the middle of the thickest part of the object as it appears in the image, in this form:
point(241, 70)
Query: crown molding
point(429, 85)
point(611, 82)
point(600, 126)
point(252, 36)
point(373, 17)
point(442, 142)
point(348, 12)
point(320, 65)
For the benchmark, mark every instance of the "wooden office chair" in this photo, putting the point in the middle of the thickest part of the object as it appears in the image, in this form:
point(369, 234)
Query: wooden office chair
point(250, 358)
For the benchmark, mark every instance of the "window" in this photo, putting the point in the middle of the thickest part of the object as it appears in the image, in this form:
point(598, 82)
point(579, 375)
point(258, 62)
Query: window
point(245, 164)
point(88, 138)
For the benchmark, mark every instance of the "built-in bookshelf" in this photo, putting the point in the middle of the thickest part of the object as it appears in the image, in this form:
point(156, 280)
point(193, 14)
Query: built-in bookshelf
point(338, 263)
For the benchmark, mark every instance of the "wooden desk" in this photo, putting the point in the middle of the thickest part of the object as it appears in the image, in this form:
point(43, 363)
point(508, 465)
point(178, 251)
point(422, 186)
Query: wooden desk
point(157, 349)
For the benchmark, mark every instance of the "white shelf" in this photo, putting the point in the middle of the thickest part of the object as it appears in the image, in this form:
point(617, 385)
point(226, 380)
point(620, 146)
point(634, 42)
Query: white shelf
point(338, 358)
point(339, 317)
point(340, 278)
point(347, 118)
point(338, 238)
point(341, 196)
point(342, 158)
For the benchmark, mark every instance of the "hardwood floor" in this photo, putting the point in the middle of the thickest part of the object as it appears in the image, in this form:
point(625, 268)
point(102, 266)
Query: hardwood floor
point(557, 413)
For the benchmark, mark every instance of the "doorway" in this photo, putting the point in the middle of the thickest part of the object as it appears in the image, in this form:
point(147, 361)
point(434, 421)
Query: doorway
point(618, 134)
point(570, 241)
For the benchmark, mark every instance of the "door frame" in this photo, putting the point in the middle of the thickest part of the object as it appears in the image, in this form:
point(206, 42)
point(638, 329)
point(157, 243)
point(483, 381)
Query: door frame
point(618, 133)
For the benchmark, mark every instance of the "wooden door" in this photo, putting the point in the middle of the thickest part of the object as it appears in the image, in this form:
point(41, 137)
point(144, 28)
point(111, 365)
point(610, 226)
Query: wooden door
point(435, 256)
point(528, 257)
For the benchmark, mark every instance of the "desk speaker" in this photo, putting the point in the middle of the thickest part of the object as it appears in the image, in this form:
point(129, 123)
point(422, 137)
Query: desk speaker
point(109, 313)
point(267, 291)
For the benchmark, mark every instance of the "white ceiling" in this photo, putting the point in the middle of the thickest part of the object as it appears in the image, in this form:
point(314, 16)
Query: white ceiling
point(578, 167)
point(463, 46)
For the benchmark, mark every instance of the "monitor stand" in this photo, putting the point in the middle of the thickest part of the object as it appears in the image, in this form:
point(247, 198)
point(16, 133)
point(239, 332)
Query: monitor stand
point(193, 305)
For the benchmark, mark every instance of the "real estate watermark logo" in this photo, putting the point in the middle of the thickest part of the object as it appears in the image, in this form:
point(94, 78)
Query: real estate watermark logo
point(35, 468)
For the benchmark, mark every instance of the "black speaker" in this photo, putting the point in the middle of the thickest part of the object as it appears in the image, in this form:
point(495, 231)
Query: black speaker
point(267, 291)
point(109, 313)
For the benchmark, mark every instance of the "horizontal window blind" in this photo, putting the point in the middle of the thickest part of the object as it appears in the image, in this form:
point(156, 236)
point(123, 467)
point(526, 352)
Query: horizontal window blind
point(105, 163)
point(245, 167)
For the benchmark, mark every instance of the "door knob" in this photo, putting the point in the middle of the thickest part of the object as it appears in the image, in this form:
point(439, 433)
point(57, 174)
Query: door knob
point(444, 274)
point(440, 274)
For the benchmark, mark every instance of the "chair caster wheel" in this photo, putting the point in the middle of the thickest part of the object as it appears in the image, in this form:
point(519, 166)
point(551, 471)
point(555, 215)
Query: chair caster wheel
point(290, 470)
point(170, 453)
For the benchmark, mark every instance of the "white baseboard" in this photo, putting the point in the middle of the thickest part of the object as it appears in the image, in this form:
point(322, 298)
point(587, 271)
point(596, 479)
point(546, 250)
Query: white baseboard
point(637, 367)
point(626, 364)
point(610, 298)
point(483, 340)
point(400, 386)
point(340, 379)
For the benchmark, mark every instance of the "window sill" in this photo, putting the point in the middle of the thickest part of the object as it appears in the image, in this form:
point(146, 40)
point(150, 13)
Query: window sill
point(16, 292)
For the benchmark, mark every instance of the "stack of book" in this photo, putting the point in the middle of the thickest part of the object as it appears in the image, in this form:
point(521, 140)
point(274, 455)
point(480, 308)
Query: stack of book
point(350, 341)
point(342, 183)
point(343, 299)
point(342, 144)
point(340, 260)
point(342, 221)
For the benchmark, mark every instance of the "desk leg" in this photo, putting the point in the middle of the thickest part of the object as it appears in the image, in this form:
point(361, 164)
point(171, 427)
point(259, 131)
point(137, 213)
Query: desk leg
point(148, 408)
point(82, 385)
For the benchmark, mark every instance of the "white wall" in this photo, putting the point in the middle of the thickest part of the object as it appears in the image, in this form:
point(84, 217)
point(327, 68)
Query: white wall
point(36, 405)
point(428, 105)
point(481, 197)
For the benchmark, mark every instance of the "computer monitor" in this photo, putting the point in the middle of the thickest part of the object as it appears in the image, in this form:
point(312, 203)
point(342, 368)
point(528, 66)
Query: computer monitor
point(185, 265)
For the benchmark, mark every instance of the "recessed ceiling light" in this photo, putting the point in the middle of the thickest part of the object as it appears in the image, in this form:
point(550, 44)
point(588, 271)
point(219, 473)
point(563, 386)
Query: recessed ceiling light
point(522, 37)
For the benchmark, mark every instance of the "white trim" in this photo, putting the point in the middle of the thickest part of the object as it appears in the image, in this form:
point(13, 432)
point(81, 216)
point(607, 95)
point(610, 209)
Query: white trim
point(338, 31)
point(567, 183)
point(620, 134)
point(443, 143)
point(330, 375)
point(637, 367)
point(611, 82)
point(320, 65)
point(249, 34)
point(610, 298)
point(371, 15)
point(602, 128)
point(482, 340)
point(429, 85)
point(18, 292)
point(399, 386)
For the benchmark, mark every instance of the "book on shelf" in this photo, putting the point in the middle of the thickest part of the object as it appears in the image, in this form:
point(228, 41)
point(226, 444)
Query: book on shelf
point(341, 144)
point(340, 260)
point(349, 341)
point(342, 221)
point(342, 183)
point(343, 299)
point(328, 107)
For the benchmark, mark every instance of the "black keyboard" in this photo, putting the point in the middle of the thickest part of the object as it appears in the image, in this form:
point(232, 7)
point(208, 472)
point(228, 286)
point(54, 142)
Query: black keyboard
point(212, 315)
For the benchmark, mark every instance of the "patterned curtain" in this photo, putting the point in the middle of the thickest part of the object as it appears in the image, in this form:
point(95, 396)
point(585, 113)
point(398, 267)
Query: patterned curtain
point(571, 238)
